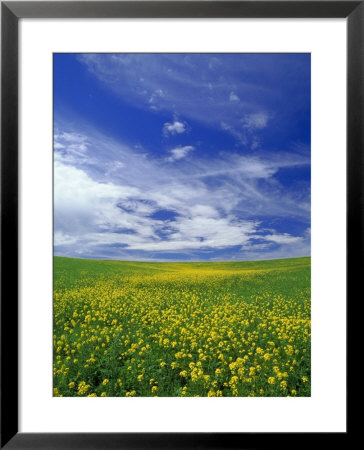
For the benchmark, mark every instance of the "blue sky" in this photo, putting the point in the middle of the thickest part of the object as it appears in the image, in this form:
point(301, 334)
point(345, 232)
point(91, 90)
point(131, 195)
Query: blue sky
point(182, 157)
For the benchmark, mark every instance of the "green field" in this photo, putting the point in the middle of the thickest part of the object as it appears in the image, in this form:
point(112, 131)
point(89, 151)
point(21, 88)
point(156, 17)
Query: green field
point(126, 328)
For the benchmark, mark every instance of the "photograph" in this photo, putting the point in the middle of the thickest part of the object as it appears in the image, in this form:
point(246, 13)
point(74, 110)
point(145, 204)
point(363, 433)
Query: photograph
point(181, 225)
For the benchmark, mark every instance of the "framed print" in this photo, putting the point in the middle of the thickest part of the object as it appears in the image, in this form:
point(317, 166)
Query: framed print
point(164, 165)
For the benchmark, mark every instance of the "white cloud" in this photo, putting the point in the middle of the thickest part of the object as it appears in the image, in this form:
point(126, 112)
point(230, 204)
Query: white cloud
point(153, 99)
point(255, 121)
point(83, 204)
point(284, 238)
point(255, 143)
point(176, 127)
point(233, 97)
point(71, 146)
point(179, 152)
point(238, 134)
point(91, 213)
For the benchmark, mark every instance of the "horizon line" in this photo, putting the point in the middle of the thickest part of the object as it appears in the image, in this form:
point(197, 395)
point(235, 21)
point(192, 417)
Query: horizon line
point(180, 262)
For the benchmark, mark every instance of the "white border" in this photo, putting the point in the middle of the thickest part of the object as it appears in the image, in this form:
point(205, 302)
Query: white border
point(325, 410)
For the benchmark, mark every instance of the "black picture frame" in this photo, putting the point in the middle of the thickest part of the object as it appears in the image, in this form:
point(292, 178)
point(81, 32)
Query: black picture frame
point(11, 12)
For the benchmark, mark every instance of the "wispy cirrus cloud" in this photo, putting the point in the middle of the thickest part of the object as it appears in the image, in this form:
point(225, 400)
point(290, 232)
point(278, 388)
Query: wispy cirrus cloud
point(209, 88)
point(119, 203)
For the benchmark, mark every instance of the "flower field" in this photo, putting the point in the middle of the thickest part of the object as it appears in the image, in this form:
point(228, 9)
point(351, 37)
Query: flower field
point(182, 329)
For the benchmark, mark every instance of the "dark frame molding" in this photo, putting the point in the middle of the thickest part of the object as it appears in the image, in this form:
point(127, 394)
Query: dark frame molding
point(11, 12)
